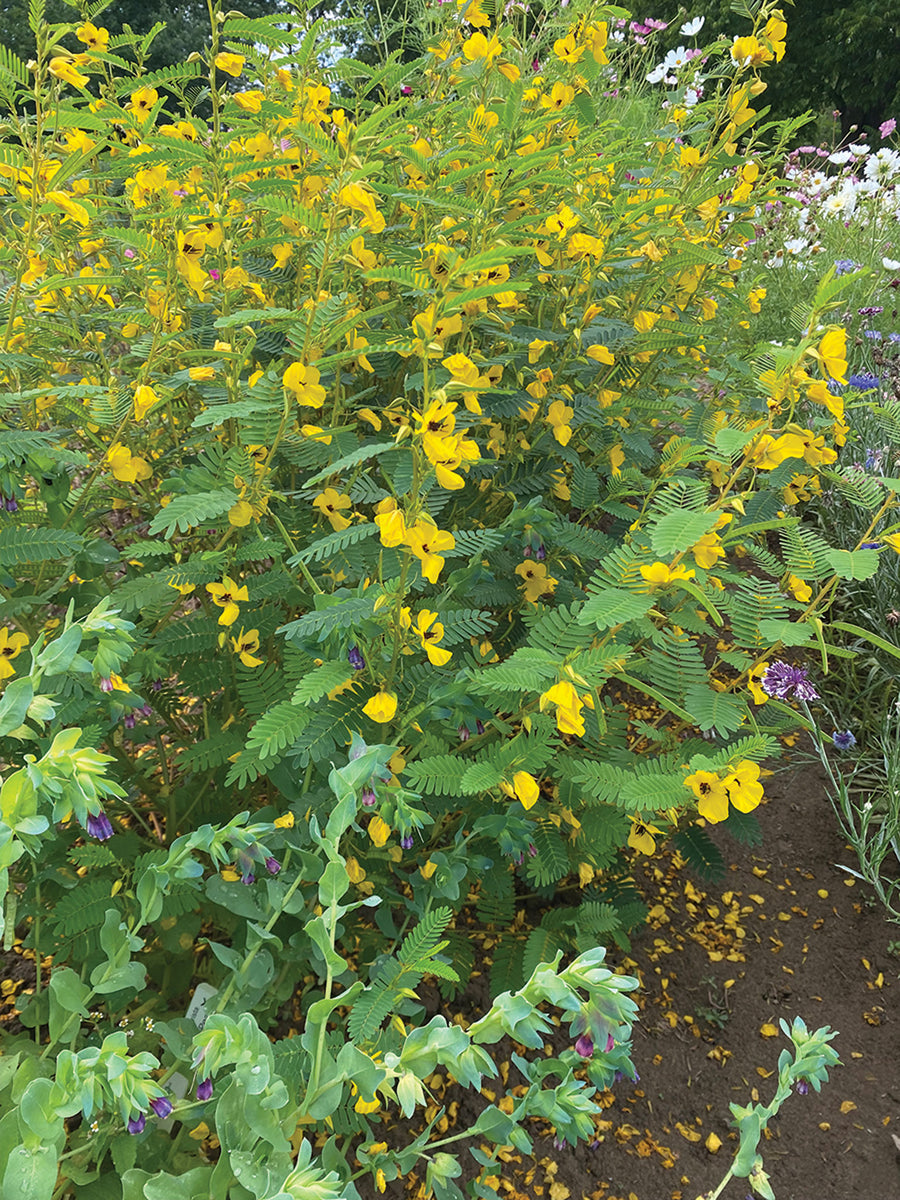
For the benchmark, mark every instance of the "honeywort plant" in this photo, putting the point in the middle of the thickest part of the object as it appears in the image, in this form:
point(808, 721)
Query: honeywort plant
point(406, 414)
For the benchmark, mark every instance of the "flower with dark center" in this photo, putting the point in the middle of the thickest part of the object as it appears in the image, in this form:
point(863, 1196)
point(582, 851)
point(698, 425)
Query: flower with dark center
point(136, 1124)
point(273, 866)
point(368, 797)
point(785, 682)
point(98, 826)
point(407, 842)
point(843, 740)
point(354, 655)
point(585, 1046)
point(205, 1089)
point(162, 1106)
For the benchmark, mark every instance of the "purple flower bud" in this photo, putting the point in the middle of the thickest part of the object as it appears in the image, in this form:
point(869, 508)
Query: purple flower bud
point(129, 721)
point(368, 797)
point(463, 732)
point(12, 505)
point(106, 685)
point(247, 878)
point(479, 727)
point(162, 1106)
point(146, 710)
point(98, 826)
point(136, 1124)
point(406, 90)
point(532, 850)
point(559, 1143)
point(526, 552)
point(801, 1087)
point(585, 1046)
point(204, 1089)
point(610, 1042)
point(357, 662)
point(540, 554)
point(156, 685)
point(273, 866)
point(214, 275)
point(407, 842)
point(520, 860)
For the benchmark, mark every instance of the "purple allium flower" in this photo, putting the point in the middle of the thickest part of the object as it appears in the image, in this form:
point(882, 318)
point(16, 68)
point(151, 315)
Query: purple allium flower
point(355, 658)
point(162, 1106)
point(98, 826)
point(585, 1046)
point(864, 382)
point(843, 740)
point(407, 842)
point(368, 797)
point(801, 1087)
point(136, 1124)
point(273, 866)
point(783, 681)
point(205, 1089)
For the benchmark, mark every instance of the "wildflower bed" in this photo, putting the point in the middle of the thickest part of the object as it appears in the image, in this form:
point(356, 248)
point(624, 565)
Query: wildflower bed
point(372, 439)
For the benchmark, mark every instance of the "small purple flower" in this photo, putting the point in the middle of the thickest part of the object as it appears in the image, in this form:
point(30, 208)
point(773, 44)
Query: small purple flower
point(106, 685)
point(368, 797)
point(864, 382)
point(12, 505)
point(844, 266)
point(610, 1042)
point(406, 90)
point(129, 721)
point(128, 253)
point(205, 1089)
point(247, 878)
point(136, 1124)
point(801, 1087)
point(98, 826)
point(156, 685)
point(146, 710)
point(540, 554)
point(479, 727)
point(843, 740)
point(585, 1046)
point(463, 733)
point(407, 842)
point(162, 1106)
point(872, 311)
point(870, 546)
point(559, 1143)
point(273, 866)
point(783, 681)
point(532, 850)
point(526, 552)
point(355, 658)
point(215, 275)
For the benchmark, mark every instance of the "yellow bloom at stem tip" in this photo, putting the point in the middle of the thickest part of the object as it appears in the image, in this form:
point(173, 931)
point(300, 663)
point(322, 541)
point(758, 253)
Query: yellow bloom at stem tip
point(659, 574)
point(303, 381)
point(641, 836)
point(524, 788)
point(227, 595)
point(244, 646)
point(381, 707)
point(144, 399)
point(11, 646)
point(330, 502)
point(231, 64)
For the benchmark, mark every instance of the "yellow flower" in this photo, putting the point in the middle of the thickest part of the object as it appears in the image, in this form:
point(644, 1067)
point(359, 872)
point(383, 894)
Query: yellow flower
point(641, 836)
point(240, 514)
point(569, 707)
point(800, 588)
point(536, 348)
point(524, 788)
point(126, 467)
point(558, 417)
point(285, 822)
point(743, 786)
point(379, 831)
point(537, 582)
point(144, 399)
point(708, 550)
point(355, 873)
point(390, 522)
point(231, 64)
point(250, 102)
point(227, 595)
point(477, 46)
point(191, 246)
point(70, 207)
point(568, 49)
point(430, 631)
point(832, 354)
point(380, 1181)
point(368, 1106)
point(11, 646)
point(381, 707)
point(599, 353)
point(754, 683)
point(355, 196)
point(558, 97)
point(329, 504)
point(143, 100)
point(659, 574)
point(92, 37)
point(244, 646)
point(712, 798)
point(428, 544)
point(64, 67)
point(201, 374)
point(303, 381)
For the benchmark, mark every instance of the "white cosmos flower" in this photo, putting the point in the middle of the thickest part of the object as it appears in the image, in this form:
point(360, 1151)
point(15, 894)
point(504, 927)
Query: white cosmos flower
point(860, 149)
point(657, 74)
point(891, 264)
point(676, 59)
point(692, 28)
point(840, 157)
point(883, 165)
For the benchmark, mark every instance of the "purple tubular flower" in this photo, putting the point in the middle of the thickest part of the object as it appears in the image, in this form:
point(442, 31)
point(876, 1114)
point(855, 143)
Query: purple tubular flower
point(98, 826)
point(479, 727)
point(129, 721)
point(136, 1124)
point(146, 710)
point(463, 733)
point(273, 866)
point(162, 1106)
point(407, 842)
point(801, 1087)
point(368, 797)
point(12, 505)
point(205, 1089)
point(610, 1042)
point(785, 682)
point(585, 1046)
point(540, 554)
point(247, 878)
point(355, 658)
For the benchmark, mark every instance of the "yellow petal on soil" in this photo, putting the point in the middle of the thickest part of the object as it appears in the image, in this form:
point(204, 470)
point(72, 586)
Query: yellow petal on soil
point(768, 1030)
point(713, 1143)
point(689, 1134)
point(847, 1106)
point(822, 894)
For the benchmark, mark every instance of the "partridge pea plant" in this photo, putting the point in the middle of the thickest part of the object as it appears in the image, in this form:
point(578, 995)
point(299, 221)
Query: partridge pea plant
point(399, 521)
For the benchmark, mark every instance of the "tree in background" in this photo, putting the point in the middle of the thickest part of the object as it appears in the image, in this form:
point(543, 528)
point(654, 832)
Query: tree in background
point(842, 55)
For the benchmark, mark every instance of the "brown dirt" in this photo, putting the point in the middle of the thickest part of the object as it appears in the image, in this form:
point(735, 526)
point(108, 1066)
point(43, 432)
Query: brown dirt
point(785, 933)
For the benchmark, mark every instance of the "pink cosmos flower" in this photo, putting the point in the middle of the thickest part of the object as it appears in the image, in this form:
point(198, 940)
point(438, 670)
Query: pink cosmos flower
point(887, 127)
